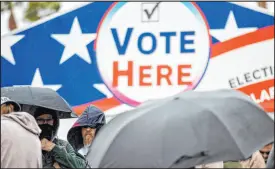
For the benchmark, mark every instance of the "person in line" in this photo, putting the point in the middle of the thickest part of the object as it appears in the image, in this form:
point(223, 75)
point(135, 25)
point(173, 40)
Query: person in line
point(56, 153)
point(85, 129)
point(20, 144)
point(265, 151)
point(255, 161)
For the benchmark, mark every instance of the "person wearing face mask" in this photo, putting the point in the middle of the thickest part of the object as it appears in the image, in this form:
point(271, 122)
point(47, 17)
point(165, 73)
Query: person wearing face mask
point(56, 153)
point(20, 144)
point(83, 132)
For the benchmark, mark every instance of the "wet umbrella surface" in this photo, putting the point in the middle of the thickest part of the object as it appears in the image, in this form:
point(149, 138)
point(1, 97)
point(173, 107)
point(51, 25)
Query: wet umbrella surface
point(183, 131)
point(32, 97)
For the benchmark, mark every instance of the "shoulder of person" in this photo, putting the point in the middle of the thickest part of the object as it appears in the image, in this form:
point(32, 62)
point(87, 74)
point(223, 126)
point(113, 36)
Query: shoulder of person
point(4, 118)
point(21, 116)
point(6, 122)
point(4, 126)
point(8, 127)
point(257, 154)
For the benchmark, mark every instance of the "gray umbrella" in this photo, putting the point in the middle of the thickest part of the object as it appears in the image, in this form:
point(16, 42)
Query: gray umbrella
point(270, 160)
point(184, 131)
point(32, 97)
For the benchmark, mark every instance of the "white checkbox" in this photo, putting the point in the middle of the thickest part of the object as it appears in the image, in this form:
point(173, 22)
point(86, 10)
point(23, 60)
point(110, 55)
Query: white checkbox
point(150, 12)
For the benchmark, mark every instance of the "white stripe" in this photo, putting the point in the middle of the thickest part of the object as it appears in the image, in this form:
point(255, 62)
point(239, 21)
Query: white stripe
point(110, 114)
point(271, 115)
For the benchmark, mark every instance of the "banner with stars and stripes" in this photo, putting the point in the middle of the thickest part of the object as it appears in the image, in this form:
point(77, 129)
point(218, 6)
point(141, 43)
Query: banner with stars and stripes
point(117, 55)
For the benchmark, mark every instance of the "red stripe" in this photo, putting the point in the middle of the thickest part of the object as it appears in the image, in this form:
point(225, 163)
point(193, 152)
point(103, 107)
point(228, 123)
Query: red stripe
point(260, 35)
point(256, 89)
point(103, 104)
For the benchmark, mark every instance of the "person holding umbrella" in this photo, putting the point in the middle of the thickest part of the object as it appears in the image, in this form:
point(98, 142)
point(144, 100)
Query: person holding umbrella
point(56, 153)
point(20, 144)
point(83, 132)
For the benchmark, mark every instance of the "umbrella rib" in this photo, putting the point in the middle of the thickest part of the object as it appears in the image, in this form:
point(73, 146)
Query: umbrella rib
point(31, 92)
point(229, 134)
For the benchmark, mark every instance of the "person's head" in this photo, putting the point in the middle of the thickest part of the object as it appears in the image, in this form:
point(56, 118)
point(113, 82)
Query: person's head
point(8, 106)
point(95, 119)
point(265, 151)
point(87, 126)
point(88, 134)
point(47, 121)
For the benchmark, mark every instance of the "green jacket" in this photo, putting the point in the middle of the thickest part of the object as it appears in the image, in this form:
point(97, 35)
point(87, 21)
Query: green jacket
point(64, 154)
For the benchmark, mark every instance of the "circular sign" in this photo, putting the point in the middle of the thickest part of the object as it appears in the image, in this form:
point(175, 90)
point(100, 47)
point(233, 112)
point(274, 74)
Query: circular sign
point(149, 50)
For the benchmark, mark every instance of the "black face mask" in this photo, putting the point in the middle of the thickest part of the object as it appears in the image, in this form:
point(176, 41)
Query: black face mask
point(47, 131)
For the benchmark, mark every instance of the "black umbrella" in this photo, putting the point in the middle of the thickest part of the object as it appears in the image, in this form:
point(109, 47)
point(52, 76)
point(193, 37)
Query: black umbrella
point(190, 129)
point(32, 97)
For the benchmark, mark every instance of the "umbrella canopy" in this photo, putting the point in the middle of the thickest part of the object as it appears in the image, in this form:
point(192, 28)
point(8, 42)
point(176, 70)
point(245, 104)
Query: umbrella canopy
point(32, 97)
point(183, 131)
point(270, 160)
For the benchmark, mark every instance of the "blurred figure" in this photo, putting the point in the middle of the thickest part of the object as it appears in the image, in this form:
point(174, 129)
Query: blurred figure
point(56, 153)
point(265, 151)
point(270, 160)
point(20, 144)
point(83, 132)
point(255, 161)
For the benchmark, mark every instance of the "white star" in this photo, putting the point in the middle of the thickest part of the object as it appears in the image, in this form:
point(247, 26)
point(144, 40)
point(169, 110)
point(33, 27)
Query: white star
point(103, 89)
point(38, 82)
point(75, 43)
point(6, 44)
point(231, 29)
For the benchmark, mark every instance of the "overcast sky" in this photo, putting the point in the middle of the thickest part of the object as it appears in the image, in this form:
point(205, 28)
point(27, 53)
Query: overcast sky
point(21, 23)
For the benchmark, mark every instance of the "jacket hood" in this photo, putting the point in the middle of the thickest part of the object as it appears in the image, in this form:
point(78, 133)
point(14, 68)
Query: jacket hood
point(93, 117)
point(25, 120)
